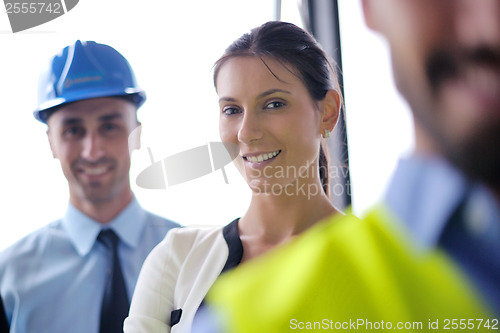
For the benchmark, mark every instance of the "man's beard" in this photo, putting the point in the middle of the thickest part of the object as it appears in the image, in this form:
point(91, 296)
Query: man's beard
point(479, 156)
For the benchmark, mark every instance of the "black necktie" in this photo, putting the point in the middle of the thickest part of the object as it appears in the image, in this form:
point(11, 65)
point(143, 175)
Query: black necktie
point(115, 303)
point(4, 323)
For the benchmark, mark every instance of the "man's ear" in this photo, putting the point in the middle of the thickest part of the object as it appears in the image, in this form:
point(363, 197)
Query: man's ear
point(330, 109)
point(134, 138)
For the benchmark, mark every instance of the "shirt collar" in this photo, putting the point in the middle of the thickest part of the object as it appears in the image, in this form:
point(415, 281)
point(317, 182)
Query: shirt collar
point(423, 193)
point(83, 230)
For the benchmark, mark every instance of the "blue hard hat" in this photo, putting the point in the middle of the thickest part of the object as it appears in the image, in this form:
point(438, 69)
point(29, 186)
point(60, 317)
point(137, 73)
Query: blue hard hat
point(86, 70)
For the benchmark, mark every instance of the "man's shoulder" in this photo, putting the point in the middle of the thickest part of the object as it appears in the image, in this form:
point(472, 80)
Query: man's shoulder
point(30, 247)
point(154, 220)
point(158, 225)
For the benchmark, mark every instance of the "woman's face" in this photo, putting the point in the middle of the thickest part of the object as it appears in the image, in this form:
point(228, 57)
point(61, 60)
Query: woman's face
point(273, 120)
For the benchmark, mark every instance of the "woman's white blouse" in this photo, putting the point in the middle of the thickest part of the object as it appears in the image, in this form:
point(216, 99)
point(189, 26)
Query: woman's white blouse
point(177, 275)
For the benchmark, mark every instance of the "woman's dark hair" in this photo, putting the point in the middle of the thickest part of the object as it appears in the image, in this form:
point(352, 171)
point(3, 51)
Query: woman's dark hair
point(300, 53)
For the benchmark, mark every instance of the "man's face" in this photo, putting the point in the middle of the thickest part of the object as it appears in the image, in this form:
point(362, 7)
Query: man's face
point(90, 138)
point(446, 61)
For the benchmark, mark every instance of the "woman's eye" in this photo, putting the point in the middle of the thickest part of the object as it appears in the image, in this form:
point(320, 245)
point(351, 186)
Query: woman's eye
point(230, 111)
point(275, 105)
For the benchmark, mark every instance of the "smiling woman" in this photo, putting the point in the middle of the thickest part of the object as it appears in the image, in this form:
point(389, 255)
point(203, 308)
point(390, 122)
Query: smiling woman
point(271, 101)
point(274, 83)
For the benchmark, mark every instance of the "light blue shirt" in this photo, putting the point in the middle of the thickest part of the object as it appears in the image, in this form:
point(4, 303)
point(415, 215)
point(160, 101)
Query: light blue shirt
point(425, 194)
point(53, 279)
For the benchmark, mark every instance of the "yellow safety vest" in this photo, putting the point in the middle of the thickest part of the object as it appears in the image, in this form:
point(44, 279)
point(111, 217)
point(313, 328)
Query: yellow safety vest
point(347, 274)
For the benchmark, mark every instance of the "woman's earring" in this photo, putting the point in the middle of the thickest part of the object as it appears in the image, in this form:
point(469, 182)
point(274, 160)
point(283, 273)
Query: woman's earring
point(327, 134)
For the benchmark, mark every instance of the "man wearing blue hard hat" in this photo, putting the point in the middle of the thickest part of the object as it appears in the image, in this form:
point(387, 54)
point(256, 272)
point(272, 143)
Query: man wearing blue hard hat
point(78, 273)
